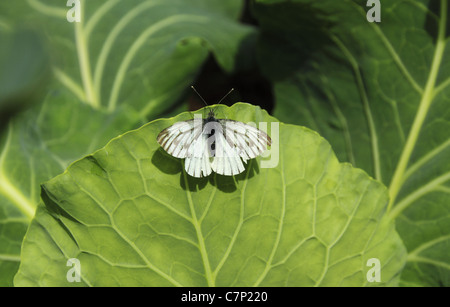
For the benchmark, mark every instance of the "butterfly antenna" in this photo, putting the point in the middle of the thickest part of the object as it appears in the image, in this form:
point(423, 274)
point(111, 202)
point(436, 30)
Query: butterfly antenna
point(232, 89)
point(199, 95)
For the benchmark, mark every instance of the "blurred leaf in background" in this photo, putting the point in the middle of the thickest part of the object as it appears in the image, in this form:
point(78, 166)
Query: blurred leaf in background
point(23, 76)
point(24, 72)
point(379, 92)
point(124, 63)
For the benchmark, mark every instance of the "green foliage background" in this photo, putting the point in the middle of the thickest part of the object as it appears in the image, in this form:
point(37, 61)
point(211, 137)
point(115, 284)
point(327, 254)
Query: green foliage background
point(377, 92)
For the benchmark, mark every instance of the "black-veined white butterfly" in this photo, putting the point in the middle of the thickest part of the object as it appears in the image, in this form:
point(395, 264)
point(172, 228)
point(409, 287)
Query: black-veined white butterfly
point(211, 144)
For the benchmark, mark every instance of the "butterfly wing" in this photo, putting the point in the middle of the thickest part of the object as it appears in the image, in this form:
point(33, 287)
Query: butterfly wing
point(177, 139)
point(248, 141)
point(185, 140)
point(226, 158)
point(198, 160)
point(234, 141)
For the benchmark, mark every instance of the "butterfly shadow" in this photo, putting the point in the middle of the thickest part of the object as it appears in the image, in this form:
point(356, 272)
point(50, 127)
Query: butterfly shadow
point(172, 166)
point(228, 184)
point(166, 163)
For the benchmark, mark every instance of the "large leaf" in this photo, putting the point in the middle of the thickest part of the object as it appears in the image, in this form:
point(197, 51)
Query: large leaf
point(379, 92)
point(132, 216)
point(38, 145)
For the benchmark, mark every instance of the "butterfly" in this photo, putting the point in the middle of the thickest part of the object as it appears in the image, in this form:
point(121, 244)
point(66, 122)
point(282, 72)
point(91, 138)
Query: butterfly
point(211, 144)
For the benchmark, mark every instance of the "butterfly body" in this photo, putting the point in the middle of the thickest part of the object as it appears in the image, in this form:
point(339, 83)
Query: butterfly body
point(208, 121)
point(212, 144)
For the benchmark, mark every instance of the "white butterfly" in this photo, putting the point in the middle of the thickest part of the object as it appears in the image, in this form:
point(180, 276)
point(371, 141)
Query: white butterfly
point(219, 145)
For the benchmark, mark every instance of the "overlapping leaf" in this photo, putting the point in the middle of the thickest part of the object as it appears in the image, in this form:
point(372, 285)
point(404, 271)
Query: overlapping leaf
point(144, 41)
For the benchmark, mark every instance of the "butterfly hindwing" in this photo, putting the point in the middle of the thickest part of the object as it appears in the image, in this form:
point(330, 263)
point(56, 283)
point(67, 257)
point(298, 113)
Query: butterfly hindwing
point(198, 161)
point(250, 141)
point(226, 159)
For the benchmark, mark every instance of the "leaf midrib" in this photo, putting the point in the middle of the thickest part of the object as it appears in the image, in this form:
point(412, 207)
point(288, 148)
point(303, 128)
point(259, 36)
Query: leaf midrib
point(424, 105)
point(198, 230)
point(81, 43)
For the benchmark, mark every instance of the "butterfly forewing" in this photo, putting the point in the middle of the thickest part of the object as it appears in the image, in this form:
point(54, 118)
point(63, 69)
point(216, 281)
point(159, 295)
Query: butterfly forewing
point(177, 139)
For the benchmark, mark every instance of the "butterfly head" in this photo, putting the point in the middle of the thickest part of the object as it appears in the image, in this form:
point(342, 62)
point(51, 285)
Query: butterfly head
point(211, 116)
